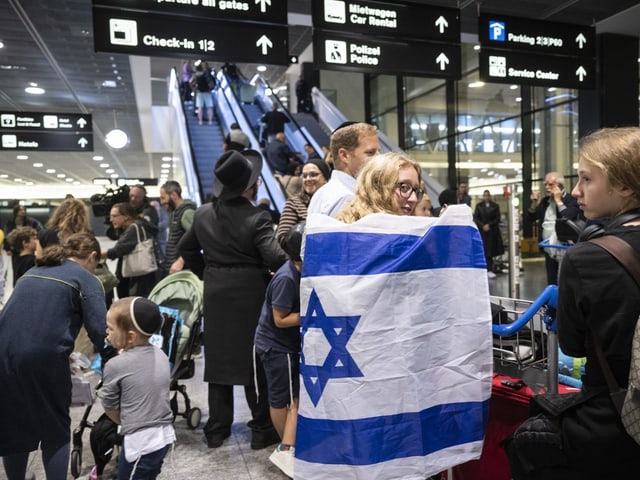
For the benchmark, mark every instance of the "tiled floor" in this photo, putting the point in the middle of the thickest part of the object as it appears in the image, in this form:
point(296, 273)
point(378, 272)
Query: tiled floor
point(235, 460)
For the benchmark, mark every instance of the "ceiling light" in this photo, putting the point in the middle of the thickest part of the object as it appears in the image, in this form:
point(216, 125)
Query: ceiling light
point(50, 170)
point(22, 157)
point(261, 68)
point(476, 84)
point(117, 139)
point(38, 165)
point(165, 165)
point(109, 170)
point(109, 83)
point(513, 87)
point(68, 179)
point(476, 47)
point(101, 181)
point(104, 165)
point(34, 89)
point(1, 44)
point(61, 175)
point(97, 158)
point(4, 175)
point(114, 175)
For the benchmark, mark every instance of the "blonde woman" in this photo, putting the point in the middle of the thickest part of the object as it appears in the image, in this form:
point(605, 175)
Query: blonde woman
point(388, 183)
point(70, 217)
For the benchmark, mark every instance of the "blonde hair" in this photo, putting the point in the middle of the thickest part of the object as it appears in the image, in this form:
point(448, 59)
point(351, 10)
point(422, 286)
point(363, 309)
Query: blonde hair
point(70, 217)
point(375, 186)
point(615, 151)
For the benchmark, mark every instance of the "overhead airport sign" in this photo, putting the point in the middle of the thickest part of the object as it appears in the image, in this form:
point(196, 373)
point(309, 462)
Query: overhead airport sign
point(535, 36)
point(397, 19)
point(371, 55)
point(265, 11)
point(65, 132)
point(137, 33)
point(501, 66)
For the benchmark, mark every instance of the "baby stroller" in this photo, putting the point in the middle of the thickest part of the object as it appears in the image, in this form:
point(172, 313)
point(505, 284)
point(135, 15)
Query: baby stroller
point(181, 294)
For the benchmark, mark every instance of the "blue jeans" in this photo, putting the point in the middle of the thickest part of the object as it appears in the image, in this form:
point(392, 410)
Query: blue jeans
point(148, 467)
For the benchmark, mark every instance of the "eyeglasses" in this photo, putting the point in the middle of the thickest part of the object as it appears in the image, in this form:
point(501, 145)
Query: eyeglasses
point(310, 175)
point(406, 190)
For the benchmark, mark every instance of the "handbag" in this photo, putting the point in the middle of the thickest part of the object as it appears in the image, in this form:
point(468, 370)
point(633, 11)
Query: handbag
point(142, 259)
point(107, 278)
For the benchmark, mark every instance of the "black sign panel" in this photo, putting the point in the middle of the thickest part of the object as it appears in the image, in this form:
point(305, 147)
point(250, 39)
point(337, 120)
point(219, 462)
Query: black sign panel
point(371, 55)
point(64, 132)
point(161, 35)
point(501, 66)
point(266, 11)
point(46, 141)
point(66, 122)
point(397, 19)
point(523, 34)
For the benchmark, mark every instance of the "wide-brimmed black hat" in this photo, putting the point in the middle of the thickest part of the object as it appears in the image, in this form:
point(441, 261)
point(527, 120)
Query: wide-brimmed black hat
point(235, 172)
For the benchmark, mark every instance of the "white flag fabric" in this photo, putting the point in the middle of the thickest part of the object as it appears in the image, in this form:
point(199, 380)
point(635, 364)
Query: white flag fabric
point(396, 360)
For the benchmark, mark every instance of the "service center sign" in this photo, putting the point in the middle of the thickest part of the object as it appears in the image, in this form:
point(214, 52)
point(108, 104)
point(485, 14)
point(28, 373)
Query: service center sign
point(501, 66)
point(397, 20)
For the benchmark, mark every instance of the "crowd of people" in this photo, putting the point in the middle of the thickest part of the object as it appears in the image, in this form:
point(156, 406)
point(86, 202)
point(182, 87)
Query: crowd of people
point(251, 276)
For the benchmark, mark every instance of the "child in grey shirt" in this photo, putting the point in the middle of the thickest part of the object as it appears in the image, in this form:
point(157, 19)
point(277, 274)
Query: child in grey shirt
point(135, 389)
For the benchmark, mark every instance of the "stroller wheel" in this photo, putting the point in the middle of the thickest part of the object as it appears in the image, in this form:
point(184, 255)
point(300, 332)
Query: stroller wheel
point(76, 462)
point(193, 418)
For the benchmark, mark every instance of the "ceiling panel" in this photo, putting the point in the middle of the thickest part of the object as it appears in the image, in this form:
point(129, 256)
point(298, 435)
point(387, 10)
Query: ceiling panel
point(50, 43)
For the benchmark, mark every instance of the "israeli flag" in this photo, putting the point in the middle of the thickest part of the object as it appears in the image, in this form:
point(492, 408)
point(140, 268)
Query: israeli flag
point(396, 361)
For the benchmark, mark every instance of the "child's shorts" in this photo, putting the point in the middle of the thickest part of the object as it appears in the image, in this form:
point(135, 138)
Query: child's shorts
point(283, 377)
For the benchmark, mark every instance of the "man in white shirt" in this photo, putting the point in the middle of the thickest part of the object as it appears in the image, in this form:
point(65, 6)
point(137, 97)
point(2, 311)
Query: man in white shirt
point(352, 145)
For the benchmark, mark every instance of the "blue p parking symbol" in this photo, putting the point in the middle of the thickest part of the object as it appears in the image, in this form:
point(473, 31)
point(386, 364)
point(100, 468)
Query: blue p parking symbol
point(497, 31)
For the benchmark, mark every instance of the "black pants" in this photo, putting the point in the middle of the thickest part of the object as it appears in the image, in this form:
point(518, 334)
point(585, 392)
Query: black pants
point(221, 409)
point(551, 266)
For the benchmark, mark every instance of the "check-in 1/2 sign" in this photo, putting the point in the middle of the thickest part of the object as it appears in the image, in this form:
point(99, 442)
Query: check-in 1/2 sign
point(162, 35)
point(338, 52)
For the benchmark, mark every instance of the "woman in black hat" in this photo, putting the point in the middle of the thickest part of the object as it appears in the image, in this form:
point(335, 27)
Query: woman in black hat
point(234, 242)
point(315, 173)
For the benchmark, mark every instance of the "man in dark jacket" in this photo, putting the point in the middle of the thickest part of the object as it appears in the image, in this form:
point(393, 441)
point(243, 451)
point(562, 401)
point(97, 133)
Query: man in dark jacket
point(556, 204)
point(274, 122)
point(234, 243)
point(182, 211)
point(487, 218)
point(280, 157)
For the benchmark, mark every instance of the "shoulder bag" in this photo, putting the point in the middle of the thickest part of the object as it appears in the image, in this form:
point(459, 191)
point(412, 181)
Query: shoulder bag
point(142, 259)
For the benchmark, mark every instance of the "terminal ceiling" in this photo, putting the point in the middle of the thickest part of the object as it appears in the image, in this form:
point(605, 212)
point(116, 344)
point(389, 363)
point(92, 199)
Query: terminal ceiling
point(50, 43)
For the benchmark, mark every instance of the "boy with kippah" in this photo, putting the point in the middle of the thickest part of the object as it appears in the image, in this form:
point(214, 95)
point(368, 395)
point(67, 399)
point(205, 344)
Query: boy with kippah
point(135, 388)
point(277, 342)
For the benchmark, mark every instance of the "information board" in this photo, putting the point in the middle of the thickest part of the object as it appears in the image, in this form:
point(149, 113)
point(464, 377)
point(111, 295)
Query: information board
point(265, 11)
point(535, 36)
point(46, 131)
point(397, 20)
point(138, 33)
point(502, 66)
point(373, 55)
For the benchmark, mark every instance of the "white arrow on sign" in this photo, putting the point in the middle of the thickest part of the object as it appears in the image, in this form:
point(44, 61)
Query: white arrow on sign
point(263, 4)
point(442, 60)
point(442, 23)
point(81, 122)
point(581, 73)
point(265, 44)
point(83, 142)
point(581, 40)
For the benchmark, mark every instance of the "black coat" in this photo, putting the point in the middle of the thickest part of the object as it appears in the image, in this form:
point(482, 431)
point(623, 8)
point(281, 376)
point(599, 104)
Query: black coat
point(596, 296)
point(572, 212)
point(235, 243)
point(492, 239)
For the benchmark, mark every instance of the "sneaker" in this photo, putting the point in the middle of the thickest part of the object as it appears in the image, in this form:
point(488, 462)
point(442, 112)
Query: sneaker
point(491, 275)
point(283, 459)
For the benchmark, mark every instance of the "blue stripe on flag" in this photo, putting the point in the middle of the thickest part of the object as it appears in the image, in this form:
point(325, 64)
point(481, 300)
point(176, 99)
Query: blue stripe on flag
point(351, 253)
point(379, 439)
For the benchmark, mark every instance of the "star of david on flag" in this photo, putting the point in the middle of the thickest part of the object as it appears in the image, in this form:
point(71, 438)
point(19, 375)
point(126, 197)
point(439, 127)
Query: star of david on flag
point(396, 360)
point(338, 363)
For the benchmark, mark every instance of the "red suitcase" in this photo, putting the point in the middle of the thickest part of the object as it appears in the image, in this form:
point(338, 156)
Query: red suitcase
point(508, 408)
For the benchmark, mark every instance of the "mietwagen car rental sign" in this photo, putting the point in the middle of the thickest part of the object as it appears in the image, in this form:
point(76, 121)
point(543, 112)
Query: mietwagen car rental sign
point(379, 37)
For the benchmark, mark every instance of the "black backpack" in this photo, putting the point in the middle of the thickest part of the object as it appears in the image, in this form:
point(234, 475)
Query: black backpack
point(205, 82)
